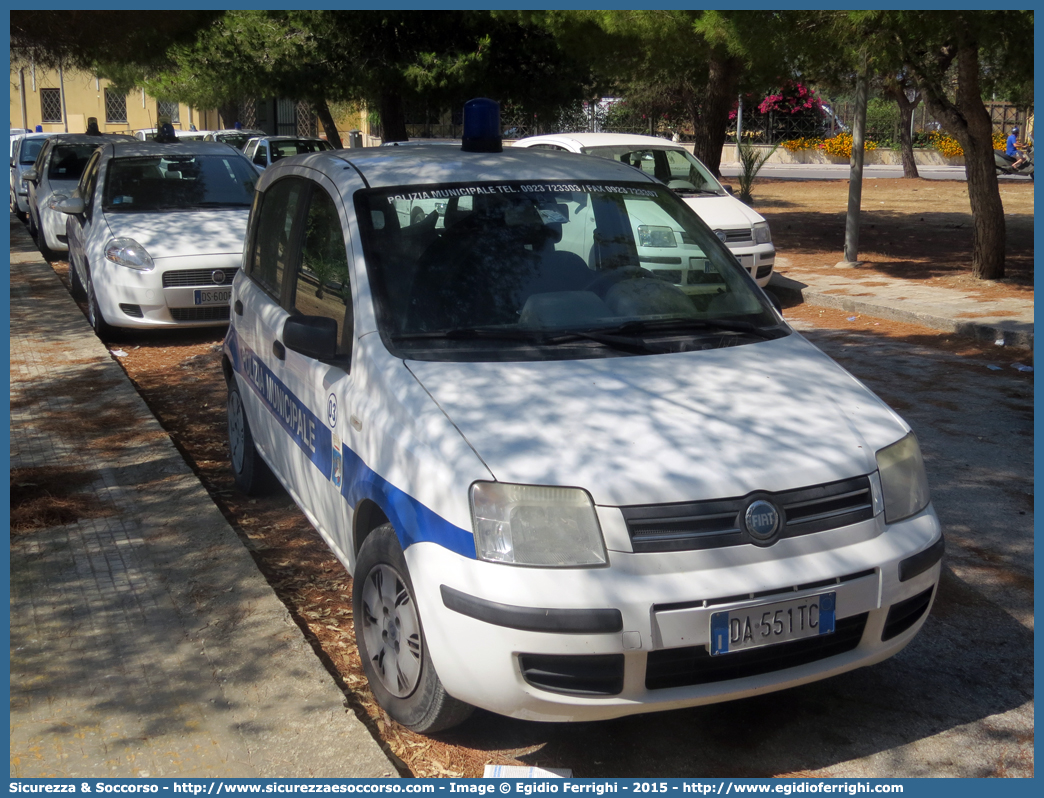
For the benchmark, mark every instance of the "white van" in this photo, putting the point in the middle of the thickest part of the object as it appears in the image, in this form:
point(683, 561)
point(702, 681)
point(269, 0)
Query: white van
point(567, 488)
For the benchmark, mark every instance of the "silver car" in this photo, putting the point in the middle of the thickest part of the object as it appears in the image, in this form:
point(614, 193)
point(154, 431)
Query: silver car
point(24, 150)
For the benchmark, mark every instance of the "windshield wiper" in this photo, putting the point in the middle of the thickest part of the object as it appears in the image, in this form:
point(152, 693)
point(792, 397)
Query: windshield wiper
point(537, 338)
point(640, 326)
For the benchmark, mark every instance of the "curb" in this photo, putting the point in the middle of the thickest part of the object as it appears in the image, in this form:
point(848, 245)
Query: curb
point(796, 293)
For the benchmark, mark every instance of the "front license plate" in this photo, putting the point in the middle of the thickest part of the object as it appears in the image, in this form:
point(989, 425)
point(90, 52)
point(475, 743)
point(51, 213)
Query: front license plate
point(221, 296)
point(767, 624)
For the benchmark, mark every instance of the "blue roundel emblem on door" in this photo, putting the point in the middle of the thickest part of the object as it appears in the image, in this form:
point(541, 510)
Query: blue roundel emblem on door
point(762, 520)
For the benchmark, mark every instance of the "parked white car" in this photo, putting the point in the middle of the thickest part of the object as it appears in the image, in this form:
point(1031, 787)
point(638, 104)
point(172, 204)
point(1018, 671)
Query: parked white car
point(54, 176)
point(236, 138)
point(149, 134)
point(743, 230)
point(263, 151)
point(156, 233)
point(567, 489)
point(24, 151)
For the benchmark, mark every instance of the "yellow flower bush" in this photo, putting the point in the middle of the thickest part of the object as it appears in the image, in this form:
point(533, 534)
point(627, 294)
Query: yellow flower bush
point(804, 143)
point(841, 145)
point(1000, 142)
point(946, 144)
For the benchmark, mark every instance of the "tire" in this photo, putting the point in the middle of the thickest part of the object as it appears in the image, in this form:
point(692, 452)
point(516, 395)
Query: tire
point(250, 473)
point(33, 229)
point(102, 328)
point(391, 640)
point(75, 283)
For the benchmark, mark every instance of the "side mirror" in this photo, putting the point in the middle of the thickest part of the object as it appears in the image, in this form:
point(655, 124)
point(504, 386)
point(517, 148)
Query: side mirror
point(30, 175)
point(728, 189)
point(259, 159)
point(311, 336)
point(71, 205)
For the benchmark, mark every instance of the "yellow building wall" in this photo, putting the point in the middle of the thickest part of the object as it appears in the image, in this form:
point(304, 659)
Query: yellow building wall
point(84, 98)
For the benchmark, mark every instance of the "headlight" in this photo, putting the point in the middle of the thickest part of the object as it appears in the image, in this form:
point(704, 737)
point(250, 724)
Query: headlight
point(761, 233)
point(903, 481)
point(533, 525)
point(128, 252)
point(55, 200)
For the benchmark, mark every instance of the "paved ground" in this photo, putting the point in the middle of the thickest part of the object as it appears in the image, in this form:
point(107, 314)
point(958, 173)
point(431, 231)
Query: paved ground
point(874, 294)
point(144, 642)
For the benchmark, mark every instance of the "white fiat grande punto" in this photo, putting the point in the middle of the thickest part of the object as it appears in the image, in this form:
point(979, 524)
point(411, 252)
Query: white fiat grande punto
point(156, 232)
point(567, 489)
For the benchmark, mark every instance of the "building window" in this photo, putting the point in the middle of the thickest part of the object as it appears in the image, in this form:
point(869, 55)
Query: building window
point(115, 106)
point(51, 105)
point(170, 110)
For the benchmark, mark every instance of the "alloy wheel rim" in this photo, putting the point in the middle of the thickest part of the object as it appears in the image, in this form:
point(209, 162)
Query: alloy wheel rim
point(391, 630)
point(236, 438)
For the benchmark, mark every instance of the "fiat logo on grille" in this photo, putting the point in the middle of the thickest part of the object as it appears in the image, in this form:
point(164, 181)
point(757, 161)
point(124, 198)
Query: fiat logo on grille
point(721, 235)
point(217, 276)
point(762, 521)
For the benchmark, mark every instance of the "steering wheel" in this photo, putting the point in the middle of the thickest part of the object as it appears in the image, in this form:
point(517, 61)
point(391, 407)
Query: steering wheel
point(680, 185)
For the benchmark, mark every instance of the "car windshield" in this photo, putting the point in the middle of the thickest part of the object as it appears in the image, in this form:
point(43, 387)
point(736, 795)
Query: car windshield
point(681, 171)
point(542, 271)
point(30, 149)
point(172, 182)
point(68, 161)
point(284, 149)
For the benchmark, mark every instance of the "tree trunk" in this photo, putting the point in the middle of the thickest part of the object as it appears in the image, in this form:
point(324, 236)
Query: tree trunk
point(322, 110)
point(712, 123)
point(906, 110)
point(393, 117)
point(896, 89)
point(969, 122)
point(855, 183)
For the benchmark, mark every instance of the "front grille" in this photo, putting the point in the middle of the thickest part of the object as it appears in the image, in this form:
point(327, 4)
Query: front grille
point(682, 667)
point(210, 313)
point(180, 277)
point(132, 310)
point(716, 523)
point(670, 275)
point(574, 674)
point(738, 236)
point(764, 271)
point(905, 614)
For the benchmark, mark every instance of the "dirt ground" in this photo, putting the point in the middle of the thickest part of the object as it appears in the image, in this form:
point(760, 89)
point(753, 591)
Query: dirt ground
point(909, 229)
point(916, 229)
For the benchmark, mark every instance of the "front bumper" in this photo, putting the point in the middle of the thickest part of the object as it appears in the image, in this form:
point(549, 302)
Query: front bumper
point(590, 644)
point(165, 296)
point(757, 259)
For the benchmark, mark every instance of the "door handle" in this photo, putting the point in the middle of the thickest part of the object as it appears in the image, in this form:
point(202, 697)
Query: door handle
point(238, 308)
point(279, 350)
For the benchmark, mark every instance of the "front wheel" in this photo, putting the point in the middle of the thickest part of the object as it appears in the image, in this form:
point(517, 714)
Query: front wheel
point(391, 640)
point(102, 328)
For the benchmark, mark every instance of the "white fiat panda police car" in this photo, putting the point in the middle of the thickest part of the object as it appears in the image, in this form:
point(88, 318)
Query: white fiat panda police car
point(567, 488)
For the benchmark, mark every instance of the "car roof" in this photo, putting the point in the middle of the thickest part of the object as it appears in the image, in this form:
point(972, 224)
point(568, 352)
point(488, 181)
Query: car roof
point(382, 167)
point(601, 140)
point(287, 138)
point(129, 148)
point(83, 138)
point(249, 131)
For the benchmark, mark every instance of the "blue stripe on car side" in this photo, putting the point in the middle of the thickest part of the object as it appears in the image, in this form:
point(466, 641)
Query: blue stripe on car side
point(414, 522)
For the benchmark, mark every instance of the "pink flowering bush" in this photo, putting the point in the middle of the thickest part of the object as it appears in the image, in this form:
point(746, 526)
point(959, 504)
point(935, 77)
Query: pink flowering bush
point(792, 98)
